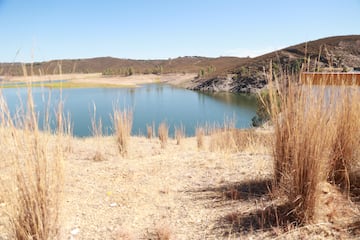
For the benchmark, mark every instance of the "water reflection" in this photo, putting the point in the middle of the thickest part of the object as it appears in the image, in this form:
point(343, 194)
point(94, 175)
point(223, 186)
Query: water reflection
point(238, 100)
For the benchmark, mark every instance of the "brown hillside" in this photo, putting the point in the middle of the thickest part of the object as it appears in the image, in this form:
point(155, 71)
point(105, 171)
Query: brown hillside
point(336, 52)
point(341, 53)
point(116, 66)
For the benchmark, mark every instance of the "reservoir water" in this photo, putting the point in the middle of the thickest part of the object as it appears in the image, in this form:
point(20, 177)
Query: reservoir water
point(150, 103)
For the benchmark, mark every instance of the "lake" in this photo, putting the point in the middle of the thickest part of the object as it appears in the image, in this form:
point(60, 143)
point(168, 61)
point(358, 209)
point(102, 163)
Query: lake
point(150, 103)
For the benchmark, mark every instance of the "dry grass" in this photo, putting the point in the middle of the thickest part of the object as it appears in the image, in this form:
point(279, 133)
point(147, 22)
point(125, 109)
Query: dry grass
point(253, 140)
point(241, 140)
point(344, 150)
point(200, 133)
point(313, 130)
point(122, 125)
point(96, 129)
point(179, 133)
point(163, 132)
point(34, 197)
point(300, 154)
point(150, 131)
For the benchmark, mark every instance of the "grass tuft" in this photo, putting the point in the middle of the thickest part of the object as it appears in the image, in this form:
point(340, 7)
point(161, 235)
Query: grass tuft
point(122, 125)
point(96, 129)
point(200, 133)
point(150, 130)
point(163, 132)
point(344, 149)
point(316, 137)
point(179, 133)
point(34, 198)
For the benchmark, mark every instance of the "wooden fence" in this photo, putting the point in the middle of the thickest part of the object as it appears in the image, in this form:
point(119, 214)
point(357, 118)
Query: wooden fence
point(330, 78)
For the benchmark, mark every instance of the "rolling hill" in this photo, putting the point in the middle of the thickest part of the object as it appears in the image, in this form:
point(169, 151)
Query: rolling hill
point(340, 53)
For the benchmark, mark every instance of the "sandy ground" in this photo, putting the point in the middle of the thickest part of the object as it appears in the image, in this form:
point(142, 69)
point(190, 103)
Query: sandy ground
point(98, 78)
point(176, 192)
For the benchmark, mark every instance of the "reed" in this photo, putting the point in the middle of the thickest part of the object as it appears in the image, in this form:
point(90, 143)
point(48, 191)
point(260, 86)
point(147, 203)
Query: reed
point(34, 197)
point(316, 139)
point(179, 133)
point(163, 132)
point(97, 133)
point(122, 121)
point(200, 134)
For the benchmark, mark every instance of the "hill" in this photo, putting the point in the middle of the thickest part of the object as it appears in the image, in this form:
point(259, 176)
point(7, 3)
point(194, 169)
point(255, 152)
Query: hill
point(341, 53)
point(232, 74)
point(117, 66)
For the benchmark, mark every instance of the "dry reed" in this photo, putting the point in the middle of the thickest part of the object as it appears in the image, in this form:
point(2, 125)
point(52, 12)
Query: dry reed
point(97, 133)
point(150, 130)
point(122, 124)
point(314, 141)
point(163, 132)
point(200, 133)
point(179, 133)
point(344, 150)
point(35, 196)
point(222, 138)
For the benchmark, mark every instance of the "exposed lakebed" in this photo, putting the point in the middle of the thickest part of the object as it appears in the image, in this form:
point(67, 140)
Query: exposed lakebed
point(150, 103)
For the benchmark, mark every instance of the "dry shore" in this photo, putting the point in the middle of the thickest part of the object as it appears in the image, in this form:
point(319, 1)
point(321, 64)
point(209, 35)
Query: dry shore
point(176, 192)
point(98, 78)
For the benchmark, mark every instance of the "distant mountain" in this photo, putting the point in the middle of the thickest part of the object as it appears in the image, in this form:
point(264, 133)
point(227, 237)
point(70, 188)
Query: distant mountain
point(232, 74)
point(340, 53)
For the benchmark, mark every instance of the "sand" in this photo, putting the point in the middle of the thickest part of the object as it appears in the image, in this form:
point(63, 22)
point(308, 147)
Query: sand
point(98, 78)
point(177, 189)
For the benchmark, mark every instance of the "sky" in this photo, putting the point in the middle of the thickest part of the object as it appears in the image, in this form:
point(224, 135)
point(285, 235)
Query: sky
point(42, 30)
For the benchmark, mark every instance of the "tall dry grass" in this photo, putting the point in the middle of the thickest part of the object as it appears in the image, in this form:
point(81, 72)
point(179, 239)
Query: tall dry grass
point(34, 192)
point(200, 135)
point(179, 133)
point(345, 152)
point(122, 121)
point(222, 137)
point(97, 133)
point(315, 132)
point(150, 131)
point(163, 132)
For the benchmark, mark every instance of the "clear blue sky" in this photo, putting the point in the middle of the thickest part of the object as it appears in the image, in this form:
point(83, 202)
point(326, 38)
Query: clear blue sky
point(39, 30)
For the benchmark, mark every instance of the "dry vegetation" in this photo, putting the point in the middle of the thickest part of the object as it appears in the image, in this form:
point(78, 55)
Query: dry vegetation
point(122, 125)
point(179, 133)
point(298, 178)
point(163, 132)
point(32, 173)
point(150, 131)
point(200, 133)
point(316, 149)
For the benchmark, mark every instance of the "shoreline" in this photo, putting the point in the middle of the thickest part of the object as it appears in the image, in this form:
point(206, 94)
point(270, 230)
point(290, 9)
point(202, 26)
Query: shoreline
point(98, 80)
